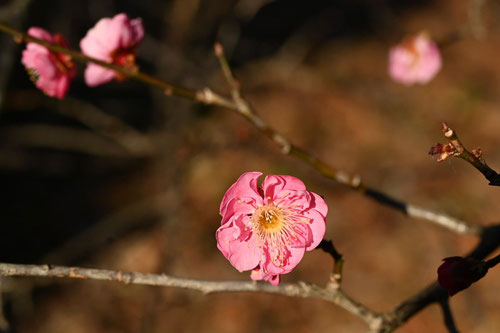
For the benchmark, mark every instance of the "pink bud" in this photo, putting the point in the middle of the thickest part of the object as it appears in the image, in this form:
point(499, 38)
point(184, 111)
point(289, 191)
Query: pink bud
point(113, 40)
point(51, 72)
point(457, 273)
point(415, 60)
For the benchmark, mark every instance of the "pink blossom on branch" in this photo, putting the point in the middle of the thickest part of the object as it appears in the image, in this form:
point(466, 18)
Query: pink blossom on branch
point(268, 228)
point(51, 72)
point(113, 40)
point(416, 60)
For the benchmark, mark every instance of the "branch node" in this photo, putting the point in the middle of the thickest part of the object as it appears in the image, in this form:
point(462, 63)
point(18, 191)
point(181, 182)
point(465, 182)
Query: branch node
point(18, 39)
point(169, 91)
point(455, 148)
point(218, 49)
point(284, 143)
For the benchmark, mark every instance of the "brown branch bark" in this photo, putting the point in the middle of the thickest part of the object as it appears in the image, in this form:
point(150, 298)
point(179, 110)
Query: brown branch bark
point(338, 263)
point(299, 289)
point(449, 322)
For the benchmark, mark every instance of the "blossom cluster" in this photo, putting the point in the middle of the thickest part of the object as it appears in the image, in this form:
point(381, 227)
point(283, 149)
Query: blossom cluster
point(112, 40)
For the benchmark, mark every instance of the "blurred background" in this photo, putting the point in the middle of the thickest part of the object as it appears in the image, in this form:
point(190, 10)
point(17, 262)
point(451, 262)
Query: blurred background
point(123, 177)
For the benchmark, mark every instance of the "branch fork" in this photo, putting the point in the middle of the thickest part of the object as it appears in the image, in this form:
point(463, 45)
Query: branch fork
point(455, 148)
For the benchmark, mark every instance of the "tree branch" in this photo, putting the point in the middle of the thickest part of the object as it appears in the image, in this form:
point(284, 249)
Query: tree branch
point(455, 148)
point(490, 241)
point(493, 262)
point(449, 322)
point(239, 105)
point(300, 289)
point(338, 263)
point(62, 138)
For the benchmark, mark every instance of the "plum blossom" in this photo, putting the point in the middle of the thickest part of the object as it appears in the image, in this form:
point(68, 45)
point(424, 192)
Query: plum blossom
point(113, 40)
point(267, 228)
point(416, 60)
point(51, 72)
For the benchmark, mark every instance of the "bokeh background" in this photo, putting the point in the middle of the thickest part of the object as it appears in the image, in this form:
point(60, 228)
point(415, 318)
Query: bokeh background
point(123, 177)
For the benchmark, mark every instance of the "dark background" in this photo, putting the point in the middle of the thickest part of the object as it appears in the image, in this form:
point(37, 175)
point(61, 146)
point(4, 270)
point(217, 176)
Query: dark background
point(123, 177)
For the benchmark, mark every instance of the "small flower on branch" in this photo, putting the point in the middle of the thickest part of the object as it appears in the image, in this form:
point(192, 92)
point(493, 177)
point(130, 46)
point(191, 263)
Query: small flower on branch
point(457, 273)
point(113, 40)
point(51, 72)
point(267, 228)
point(444, 151)
point(415, 60)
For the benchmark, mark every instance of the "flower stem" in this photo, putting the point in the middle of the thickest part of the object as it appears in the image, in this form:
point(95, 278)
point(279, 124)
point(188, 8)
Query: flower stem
point(493, 261)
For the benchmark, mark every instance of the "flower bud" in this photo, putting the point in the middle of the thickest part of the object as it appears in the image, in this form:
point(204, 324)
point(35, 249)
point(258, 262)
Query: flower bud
point(457, 273)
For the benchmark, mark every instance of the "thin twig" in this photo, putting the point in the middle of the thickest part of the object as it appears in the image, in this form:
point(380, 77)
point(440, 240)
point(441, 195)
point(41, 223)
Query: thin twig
point(473, 27)
point(492, 262)
point(108, 126)
point(449, 322)
point(455, 148)
point(234, 85)
point(476, 25)
point(62, 138)
point(300, 289)
point(104, 124)
point(239, 105)
point(338, 263)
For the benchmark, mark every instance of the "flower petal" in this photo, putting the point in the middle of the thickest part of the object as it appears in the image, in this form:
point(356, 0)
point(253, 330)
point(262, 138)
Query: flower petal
point(293, 257)
point(415, 60)
point(96, 75)
point(243, 255)
point(319, 204)
point(274, 184)
point(317, 227)
point(237, 208)
point(244, 188)
point(257, 274)
point(299, 200)
point(40, 34)
point(62, 86)
point(99, 42)
point(45, 66)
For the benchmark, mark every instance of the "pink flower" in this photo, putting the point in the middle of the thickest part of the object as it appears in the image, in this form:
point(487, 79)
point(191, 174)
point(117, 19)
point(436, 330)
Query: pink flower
point(113, 40)
point(51, 72)
point(267, 229)
point(415, 60)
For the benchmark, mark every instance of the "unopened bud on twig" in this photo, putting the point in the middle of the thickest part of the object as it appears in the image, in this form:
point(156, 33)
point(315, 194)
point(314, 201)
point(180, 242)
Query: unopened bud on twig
point(457, 273)
point(444, 151)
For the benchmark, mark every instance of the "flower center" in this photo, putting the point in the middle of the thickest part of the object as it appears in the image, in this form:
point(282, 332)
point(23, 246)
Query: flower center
point(124, 57)
point(278, 229)
point(268, 218)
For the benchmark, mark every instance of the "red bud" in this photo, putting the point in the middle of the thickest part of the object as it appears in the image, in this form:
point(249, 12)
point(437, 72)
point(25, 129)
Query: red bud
point(457, 273)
